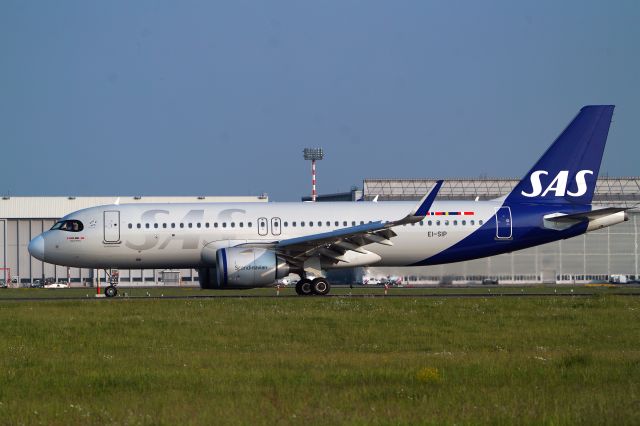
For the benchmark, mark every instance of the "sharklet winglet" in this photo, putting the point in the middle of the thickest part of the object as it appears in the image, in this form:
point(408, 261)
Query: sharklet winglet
point(428, 200)
point(423, 207)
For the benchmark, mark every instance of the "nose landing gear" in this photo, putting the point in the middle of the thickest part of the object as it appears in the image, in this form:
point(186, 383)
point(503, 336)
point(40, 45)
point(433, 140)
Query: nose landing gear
point(114, 277)
point(111, 291)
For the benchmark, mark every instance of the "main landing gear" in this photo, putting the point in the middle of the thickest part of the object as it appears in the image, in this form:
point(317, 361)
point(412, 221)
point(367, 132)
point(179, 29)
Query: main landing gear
point(318, 286)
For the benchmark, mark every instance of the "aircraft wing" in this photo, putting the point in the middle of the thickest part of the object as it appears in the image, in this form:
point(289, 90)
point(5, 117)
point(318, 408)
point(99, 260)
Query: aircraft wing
point(335, 244)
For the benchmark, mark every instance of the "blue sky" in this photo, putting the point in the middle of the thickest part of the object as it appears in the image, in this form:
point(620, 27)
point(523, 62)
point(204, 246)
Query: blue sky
point(220, 98)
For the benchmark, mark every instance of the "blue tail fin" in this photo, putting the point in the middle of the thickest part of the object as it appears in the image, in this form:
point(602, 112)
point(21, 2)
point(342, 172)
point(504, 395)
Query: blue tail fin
point(568, 171)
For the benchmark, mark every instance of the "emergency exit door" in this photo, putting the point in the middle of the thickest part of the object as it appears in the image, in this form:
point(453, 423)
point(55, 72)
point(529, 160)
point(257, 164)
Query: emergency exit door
point(111, 226)
point(263, 226)
point(275, 226)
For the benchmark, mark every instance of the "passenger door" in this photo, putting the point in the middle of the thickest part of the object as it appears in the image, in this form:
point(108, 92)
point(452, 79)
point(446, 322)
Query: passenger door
point(111, 226)
point(504, 226)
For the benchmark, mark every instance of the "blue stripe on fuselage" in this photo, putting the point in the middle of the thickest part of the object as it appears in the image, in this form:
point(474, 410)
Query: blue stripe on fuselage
point(527, 231)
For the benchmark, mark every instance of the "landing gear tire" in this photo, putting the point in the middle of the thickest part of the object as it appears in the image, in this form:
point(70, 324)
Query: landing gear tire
point(111, 291)
point(320, 286)
point(303, 287)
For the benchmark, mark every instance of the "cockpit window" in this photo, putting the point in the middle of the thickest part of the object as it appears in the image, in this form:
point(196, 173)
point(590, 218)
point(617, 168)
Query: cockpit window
point(69, 225)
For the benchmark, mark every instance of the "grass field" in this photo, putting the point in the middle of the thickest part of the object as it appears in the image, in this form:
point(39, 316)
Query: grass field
point(536, 360)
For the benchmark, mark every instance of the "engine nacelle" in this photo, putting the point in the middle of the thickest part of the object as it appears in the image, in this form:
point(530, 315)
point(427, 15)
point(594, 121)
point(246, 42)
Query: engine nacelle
point(208, 278)
point(239, 267)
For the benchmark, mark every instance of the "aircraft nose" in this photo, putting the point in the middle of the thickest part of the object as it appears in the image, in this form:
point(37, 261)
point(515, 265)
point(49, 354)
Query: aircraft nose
point(36, 247)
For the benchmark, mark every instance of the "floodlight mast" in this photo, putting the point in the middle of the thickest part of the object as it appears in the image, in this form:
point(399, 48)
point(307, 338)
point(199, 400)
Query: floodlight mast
point(313, 154)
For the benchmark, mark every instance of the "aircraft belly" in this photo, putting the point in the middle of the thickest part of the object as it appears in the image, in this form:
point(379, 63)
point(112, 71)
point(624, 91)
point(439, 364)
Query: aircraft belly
point(165, 258)
point(411, 247)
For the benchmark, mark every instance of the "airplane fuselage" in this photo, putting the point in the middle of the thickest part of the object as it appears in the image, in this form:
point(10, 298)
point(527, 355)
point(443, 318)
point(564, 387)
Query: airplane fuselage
point(176, 235)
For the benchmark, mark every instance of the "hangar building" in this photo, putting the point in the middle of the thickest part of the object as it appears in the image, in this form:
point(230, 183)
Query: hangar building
point(592, 257)
point(22, 218)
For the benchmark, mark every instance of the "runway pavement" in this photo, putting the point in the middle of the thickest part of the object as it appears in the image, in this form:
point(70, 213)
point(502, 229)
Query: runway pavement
point(290, 296)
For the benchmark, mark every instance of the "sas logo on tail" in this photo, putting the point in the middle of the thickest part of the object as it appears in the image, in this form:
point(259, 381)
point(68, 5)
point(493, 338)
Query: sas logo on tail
point(559, 185)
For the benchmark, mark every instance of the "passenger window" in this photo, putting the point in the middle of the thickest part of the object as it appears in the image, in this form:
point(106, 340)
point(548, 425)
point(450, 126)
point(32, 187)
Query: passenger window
point(190, 224)
point(138, 226)
point(206, 224)
point(337, 223)
point(241, 224)
point(422, 223)
point(293, 223)
point(146, 225)
point(362, 222)
point(173, 225)
point(344, 223)
point(446, 223)
point(319, 223)
point(181, 225)
point(249, 224)
point(479, 222)
point(455, 223)
point(155, 225)
point(310, 223)
point(429, 223)
point(437, 223)
point(286, 224)
point(328, 223)
point(473, 222)
point(215, 224)
point(224, 224)
point(198, 225)
point(164, 225)
point(302, 223)
point(233, 224)
point(464, 222)
point(130, 226)
point(353, 223)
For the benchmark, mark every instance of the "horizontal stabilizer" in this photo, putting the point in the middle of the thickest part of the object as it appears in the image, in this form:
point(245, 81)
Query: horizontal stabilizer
point(590, 215)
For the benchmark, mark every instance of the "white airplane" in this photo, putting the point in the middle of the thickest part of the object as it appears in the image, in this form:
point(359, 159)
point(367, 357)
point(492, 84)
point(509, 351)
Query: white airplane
point(246, 245)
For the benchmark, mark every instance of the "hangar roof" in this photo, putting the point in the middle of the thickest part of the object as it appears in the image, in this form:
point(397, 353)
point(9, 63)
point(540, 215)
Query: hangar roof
point(623, 191)
point(56, 207)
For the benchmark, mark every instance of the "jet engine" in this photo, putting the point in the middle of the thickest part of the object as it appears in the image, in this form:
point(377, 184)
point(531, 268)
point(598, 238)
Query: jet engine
point(208, 278)
point(238, 267)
